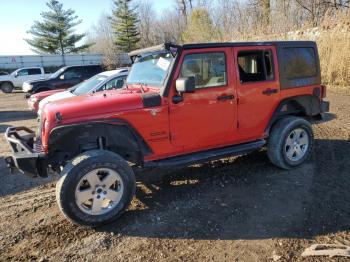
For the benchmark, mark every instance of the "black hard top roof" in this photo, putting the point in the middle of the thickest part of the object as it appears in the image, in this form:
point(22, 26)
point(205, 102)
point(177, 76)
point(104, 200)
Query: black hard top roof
point(168, 46)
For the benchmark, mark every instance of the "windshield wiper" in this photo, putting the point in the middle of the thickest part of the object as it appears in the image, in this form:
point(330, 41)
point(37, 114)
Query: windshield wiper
point(142, 85)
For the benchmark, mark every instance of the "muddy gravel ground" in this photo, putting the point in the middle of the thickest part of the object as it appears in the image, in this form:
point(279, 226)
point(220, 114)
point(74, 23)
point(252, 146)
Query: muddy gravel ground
point(236, 209)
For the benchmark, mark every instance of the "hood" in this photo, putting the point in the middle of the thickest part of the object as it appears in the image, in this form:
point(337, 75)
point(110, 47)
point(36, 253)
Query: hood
point(96, 106)
point(4, 77)
point(53, 96)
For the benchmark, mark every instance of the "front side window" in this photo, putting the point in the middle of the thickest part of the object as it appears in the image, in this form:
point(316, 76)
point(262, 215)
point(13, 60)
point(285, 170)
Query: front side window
point(255, 66)
point(88, 85)
point(208, 69)
point(23, 72)
point(150, 69)
point(72, 73)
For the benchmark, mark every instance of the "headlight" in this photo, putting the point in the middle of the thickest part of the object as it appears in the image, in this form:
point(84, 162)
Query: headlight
point(33, 99)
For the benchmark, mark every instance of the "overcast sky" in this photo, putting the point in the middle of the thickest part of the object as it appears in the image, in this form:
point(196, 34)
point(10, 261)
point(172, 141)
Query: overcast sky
point(17, 16)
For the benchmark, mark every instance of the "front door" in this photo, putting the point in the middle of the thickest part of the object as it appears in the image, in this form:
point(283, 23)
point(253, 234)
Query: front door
point(258, 88)
point(70, 77)
point(207, 117)
point(22, 75)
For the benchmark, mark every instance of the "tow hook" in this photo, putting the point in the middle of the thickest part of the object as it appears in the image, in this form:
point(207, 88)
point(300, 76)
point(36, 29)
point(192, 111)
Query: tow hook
point(10, 164)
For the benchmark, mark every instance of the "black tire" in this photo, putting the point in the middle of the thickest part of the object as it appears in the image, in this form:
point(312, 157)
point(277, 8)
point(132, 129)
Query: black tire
point(73, 173)
point(7, 87)
point(281, 131)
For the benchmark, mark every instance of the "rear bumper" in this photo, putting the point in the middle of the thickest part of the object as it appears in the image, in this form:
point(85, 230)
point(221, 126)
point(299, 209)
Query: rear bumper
point(26, 154)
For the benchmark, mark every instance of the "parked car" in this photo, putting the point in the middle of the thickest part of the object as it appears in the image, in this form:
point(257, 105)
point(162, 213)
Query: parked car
point(104, 81)
point(62, 79)
point(2, 73)
point(19, 76)
point(181, 105)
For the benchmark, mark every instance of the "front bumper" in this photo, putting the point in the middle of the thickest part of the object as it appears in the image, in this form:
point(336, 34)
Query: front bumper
point(27, 156)
point(26, 87)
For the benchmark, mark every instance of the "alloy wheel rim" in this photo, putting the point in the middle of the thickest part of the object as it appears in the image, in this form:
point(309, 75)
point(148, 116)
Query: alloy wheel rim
point(297, 144)
point(99, 191)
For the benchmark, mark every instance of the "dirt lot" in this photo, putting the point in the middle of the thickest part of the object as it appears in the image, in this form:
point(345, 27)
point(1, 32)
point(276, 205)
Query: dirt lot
point(237, 209)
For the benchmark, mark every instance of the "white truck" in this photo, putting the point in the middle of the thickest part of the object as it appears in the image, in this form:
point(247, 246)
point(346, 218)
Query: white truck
point(19, 76)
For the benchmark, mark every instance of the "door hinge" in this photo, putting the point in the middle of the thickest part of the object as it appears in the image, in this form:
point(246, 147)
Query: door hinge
point(237, 124)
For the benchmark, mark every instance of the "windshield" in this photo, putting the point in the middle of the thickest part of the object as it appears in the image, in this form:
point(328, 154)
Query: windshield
point(57, 73)
point(88, 85)
point(14, 72)
point(150, 70)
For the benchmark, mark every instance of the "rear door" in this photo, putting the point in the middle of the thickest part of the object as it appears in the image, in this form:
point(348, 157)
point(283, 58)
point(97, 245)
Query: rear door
point(258, 88)
point(207, 117)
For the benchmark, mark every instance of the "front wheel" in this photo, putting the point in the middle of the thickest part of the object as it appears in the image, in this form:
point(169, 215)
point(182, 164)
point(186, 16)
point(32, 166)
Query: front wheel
point(95, 188)
point(290, 143)
point(7, 87)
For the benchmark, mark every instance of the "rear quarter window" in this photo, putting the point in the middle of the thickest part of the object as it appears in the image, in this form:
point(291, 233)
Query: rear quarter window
point(300, 62)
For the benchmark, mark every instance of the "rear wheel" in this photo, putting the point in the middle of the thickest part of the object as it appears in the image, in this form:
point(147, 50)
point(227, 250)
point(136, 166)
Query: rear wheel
point(7, 87)
point(290, 143)
point(95, 188)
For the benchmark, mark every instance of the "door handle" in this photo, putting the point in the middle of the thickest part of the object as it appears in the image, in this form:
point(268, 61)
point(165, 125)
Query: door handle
point(270, 91)
point(225, 97)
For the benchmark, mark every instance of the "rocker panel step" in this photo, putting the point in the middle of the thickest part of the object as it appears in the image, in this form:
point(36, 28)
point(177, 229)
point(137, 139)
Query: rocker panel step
point(208, 155)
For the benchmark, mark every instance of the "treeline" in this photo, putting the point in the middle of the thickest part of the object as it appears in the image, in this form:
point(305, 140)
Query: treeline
point(217, 20)
point(133, 24)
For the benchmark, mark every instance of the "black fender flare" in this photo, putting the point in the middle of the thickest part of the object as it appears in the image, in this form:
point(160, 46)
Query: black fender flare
point(67, 141)
point(303, 105)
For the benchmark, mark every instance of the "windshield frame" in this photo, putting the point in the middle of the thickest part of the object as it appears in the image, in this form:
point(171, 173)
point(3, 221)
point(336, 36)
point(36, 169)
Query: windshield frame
point(58, 72)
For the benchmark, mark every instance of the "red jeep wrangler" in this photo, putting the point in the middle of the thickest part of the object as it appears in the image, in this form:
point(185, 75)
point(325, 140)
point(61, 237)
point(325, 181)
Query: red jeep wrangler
point(182, 104)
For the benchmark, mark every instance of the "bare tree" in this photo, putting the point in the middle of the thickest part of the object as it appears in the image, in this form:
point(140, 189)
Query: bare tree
point(102, 39)
point(147, 24)
point(316, 9)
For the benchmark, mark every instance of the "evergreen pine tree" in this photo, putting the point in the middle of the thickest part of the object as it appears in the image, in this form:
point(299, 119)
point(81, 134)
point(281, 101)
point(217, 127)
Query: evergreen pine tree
point(55, 34)
point(124, 23)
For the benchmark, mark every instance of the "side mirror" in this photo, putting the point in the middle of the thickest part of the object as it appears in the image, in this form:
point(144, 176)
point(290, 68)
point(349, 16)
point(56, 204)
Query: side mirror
point(185, 84)
point(62, 77)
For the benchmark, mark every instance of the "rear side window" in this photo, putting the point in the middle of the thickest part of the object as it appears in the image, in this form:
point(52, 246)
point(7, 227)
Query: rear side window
point(92, 70)
point(34, 71)
point(208, 69)
point(255, 66)
point(300, 62)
